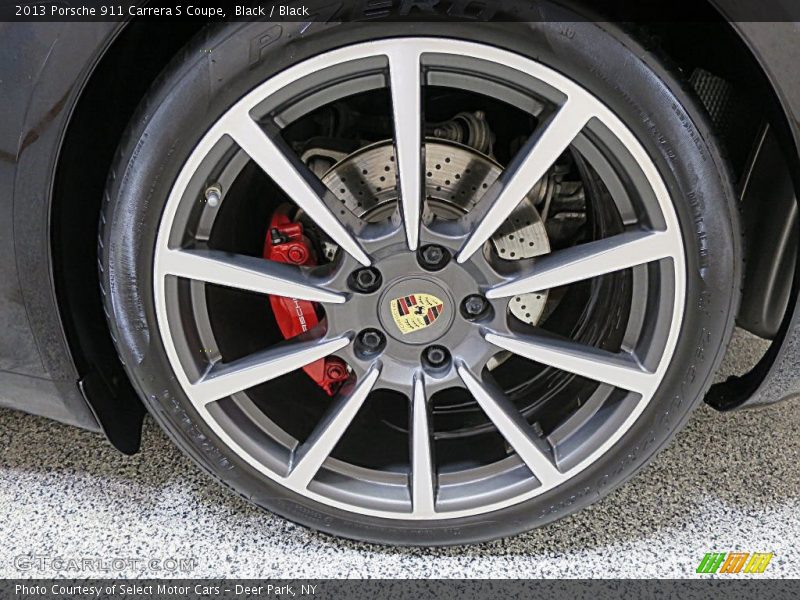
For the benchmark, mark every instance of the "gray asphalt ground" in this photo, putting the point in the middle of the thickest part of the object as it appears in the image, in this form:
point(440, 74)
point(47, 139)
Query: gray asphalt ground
point(728, 482)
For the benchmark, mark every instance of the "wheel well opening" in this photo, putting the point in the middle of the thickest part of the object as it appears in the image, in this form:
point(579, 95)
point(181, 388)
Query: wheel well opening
point(754, 135)
point(107, 103)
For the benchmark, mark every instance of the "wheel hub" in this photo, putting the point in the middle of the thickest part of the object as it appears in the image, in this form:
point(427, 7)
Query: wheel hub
point(408, 297)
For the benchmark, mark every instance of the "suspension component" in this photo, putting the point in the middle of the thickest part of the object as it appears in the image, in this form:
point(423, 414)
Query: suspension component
point(287, 243)
point(468, 128)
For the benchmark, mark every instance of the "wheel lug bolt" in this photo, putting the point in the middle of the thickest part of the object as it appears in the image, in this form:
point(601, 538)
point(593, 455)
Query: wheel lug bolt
point(436, 356)
point(475, 306)
point(370, 342)
point(432, 254)
point(371, 339)
point(365, 280)
point(433, 257)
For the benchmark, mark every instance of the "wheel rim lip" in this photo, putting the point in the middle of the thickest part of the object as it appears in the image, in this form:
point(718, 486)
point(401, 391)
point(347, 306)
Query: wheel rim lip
point(434, 46)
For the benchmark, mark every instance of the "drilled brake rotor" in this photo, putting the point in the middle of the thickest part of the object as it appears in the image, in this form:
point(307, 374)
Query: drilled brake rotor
point(456, 178)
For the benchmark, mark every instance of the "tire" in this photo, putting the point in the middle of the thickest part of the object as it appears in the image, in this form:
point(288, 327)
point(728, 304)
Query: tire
point(219, 67)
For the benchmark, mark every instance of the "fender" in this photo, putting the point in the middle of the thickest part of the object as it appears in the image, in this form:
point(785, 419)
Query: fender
point(776, 47)
point(44, 67)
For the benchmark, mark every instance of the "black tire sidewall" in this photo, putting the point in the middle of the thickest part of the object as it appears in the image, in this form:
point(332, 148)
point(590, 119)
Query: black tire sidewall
point(221, 66)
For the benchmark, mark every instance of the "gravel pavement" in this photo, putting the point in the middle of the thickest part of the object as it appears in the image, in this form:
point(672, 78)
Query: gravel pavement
point(727, 482)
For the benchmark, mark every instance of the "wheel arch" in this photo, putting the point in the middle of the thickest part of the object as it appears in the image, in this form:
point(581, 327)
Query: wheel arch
point(109, 95)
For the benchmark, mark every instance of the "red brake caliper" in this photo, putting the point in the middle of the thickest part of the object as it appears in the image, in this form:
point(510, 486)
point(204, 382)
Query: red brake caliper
point(286, 243)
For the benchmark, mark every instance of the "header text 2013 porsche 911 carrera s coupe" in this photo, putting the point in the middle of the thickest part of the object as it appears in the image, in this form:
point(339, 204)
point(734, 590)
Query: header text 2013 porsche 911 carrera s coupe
point(399, 275)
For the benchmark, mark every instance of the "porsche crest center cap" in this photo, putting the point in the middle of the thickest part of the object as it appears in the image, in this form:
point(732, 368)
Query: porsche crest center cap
point(416, 311)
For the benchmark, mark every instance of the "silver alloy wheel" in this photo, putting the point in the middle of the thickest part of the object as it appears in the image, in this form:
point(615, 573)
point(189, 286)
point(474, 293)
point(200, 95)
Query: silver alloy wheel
point(405, 65)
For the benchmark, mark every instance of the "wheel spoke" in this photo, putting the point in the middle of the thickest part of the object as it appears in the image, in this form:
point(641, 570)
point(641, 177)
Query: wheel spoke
point(308, 458)
point(406, 90)
point(225, 379)
point(246, 273)
point(621, 370)
point(547, 143)
point(513, 427)
point(292, 177)
point(422, 468)
point(589, 260)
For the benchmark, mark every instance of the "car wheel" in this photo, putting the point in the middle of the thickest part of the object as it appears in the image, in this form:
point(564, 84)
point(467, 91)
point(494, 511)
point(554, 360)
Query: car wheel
point(420, 284)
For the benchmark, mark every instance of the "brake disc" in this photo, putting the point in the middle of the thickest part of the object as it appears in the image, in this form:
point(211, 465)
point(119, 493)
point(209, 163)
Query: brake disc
point(456, 176)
